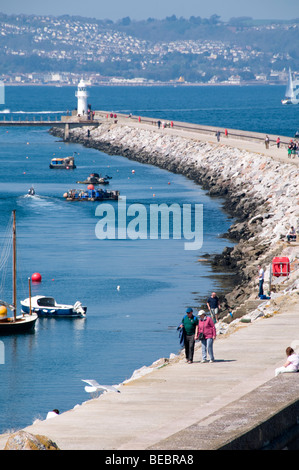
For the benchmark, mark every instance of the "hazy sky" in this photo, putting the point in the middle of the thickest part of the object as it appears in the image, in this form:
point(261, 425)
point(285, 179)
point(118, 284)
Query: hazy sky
point(143, 9)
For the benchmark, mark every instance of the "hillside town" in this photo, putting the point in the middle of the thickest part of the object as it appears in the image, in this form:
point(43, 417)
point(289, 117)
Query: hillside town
point(49, 50)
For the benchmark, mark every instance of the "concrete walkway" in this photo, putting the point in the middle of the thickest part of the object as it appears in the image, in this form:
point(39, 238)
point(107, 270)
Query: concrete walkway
point(168, 400)
point(250, 145)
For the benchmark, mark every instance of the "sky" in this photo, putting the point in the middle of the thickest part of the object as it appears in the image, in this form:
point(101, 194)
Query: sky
point(143, 9)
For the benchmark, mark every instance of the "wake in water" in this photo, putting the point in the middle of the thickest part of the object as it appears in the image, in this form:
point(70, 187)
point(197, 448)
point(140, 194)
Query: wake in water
point(8, 111)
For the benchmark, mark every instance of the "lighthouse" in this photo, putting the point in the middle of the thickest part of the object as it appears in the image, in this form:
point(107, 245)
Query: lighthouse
point(82, 96)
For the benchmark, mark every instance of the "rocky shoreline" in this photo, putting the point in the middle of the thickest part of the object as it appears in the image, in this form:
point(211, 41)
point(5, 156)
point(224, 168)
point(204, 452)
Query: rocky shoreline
point(260, 193)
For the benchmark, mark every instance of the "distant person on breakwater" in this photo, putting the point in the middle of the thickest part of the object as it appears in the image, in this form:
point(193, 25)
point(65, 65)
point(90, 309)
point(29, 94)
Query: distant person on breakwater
point(206, 334)
point(291, 235)
point(190, 325)
point(213, 306)
point(278, 142)
point(218, 136)
point(267, 142)
point(292, 364)
point(261, 275)
point(52, 414)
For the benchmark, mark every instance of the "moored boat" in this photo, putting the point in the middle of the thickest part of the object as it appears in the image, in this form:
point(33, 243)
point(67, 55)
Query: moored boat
point(95, 178)
point(67, 163)
point(91, 195)
point(48, 307)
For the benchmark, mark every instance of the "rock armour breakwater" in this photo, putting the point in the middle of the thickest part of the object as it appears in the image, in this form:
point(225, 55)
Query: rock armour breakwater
point(260, 193)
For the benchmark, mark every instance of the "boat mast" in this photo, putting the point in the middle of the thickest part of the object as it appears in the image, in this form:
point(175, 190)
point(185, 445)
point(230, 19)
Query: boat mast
point(30, 307)
point(14, 266)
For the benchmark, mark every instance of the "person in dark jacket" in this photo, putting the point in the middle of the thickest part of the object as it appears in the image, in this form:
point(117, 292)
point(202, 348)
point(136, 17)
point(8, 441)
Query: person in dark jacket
point(190, 325)
point(213, 306)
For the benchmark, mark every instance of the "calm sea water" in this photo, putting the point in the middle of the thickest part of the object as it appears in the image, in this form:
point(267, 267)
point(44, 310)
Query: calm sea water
point(134, 325)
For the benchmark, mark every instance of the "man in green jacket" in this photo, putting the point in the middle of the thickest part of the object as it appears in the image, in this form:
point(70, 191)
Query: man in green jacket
point(190, 325)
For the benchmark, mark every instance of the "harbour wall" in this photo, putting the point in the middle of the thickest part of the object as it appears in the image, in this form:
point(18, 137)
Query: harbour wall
point(259, 191)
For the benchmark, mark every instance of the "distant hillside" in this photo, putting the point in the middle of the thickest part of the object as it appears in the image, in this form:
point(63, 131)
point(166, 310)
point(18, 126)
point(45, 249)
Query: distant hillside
point(200, 49)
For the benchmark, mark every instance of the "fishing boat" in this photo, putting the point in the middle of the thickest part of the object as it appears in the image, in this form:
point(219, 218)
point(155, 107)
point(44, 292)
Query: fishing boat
point(14, 324)
point(44, 306)
point(95, 178)
point(292, 91)
point(67, 163)
point(91, 195)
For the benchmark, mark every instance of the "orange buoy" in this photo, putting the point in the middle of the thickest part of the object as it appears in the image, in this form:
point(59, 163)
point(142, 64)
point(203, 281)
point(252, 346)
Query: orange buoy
point(36, 277)
point(90, 186)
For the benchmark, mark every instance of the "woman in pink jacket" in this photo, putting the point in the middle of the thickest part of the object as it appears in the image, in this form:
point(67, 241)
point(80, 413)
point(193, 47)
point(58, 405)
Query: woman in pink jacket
point(207, 327)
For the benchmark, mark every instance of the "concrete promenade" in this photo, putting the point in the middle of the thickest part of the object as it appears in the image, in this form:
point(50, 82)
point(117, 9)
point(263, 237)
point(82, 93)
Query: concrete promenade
point(202, 406)
point(157, 409)
point(248, 141)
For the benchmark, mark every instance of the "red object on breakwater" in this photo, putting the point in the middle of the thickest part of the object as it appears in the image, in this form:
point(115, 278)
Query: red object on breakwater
point(280, 266)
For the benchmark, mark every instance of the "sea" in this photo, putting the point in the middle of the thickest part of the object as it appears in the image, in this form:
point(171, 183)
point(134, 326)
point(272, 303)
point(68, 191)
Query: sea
point(136, 290)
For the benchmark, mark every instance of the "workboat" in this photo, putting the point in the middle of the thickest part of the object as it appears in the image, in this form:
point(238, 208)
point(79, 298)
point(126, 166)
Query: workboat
point(292, 91)
point(67, 163)
point(13, 324)
point(95, 178)
point(44, 306)
point(91, 195)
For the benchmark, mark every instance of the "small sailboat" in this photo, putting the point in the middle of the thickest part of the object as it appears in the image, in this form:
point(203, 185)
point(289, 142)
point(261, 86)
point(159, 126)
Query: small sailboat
point(292, 91)
point(14, 324)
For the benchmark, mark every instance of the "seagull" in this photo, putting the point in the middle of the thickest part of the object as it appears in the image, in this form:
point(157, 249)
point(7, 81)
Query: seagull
point(95, 387)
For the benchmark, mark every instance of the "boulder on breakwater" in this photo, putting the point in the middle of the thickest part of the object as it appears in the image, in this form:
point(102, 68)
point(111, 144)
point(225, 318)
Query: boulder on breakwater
point(260, 193)
point(22, 440)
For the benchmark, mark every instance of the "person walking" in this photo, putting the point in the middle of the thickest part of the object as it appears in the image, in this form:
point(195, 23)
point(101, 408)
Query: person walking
point(190, 325)
point(213, 306)
point(267, 141)
point(292, 363)
point(261, 276)
point(206, 334)
point(278, 142)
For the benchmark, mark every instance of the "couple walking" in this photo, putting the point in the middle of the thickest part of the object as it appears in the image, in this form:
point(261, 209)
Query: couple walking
point(202, 329)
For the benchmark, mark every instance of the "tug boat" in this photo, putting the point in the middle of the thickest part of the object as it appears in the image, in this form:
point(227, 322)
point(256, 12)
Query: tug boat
point(91, 194)
point(43, 306)
point(67, 163)
point(95, 178)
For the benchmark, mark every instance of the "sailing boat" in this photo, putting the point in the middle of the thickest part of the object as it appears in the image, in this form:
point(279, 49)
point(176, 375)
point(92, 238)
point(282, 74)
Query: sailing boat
point(21, 323)
point(292, 91)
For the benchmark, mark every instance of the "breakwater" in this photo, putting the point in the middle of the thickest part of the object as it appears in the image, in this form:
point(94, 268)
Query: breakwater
point(260, 192)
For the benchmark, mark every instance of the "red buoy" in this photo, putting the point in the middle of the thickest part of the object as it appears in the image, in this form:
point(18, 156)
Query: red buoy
point(36, 277)
point(90, 186)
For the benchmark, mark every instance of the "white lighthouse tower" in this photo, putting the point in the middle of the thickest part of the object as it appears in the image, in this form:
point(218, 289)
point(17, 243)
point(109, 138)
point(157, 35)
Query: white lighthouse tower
point(82, 95)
